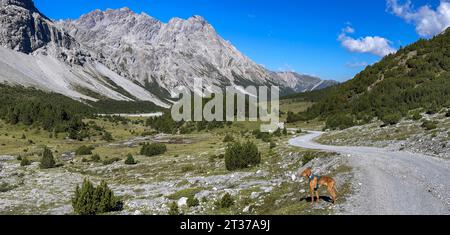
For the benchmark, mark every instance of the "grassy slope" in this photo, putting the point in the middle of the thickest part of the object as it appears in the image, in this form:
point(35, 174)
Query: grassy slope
point(415, 77)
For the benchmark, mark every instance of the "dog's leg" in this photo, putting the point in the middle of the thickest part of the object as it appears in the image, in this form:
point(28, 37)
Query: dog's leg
point(317, 194)
point(311, 189)
point(332, 192)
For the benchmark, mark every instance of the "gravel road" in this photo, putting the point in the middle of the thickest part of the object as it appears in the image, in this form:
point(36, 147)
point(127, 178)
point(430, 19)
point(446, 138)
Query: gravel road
point(391, 183)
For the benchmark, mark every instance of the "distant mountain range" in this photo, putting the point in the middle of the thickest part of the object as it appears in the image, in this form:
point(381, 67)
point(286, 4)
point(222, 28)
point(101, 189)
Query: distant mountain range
point(121, 55)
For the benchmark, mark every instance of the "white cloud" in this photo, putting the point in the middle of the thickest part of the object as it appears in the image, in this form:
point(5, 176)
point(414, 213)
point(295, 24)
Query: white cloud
point(428, 22)
point(375, 45)
point(348, 29)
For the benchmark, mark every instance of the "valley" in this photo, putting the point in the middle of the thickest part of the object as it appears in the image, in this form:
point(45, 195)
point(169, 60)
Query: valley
point(193, 166)
point(86, 126)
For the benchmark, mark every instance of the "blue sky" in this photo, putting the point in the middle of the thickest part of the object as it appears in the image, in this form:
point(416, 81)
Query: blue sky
point(299, 35)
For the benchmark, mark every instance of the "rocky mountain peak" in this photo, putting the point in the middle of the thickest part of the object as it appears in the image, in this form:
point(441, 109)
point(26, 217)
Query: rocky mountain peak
point(27, 4)
point(113, 25)
point(25, 29)
point(123, 55)
point(190, 25)
point(197, 19)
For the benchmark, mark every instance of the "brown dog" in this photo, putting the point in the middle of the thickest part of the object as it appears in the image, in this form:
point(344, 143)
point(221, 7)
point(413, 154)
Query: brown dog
point(315, 182)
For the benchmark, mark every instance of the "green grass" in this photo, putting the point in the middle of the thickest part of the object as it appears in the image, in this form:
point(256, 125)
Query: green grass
point(189, 192)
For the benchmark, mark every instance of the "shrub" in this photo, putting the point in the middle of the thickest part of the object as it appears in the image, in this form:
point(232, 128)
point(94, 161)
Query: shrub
point(277, 133)
point(292, 117)
point(90, 200)
point(417, 116)
point(107, 137)
point(433, 109)
point(130, 160)
point(228, 138)
point(109, 161)
point(187, 168)
point(173, 209)
point(5, 187)
point(273, 145)
point(429, 125)
point(154, 149)
point(264, 136)
point(391, 119)
point(164, 124)
point(84, 150)
point(241, 156)
point(95, 158)
point(308, 157)
point(226, 201)
point(193, 202)
point(47, 160)
point(339, 121)
point(25, 162)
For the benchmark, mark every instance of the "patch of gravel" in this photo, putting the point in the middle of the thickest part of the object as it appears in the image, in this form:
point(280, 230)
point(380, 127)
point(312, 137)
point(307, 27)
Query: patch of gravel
point(414, 138)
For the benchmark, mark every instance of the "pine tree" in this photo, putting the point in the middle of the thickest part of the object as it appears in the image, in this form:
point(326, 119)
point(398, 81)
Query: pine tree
point(130, 160)
point(173, 209)
point(153, 149)
point(95, 158)
point(47, 160)
point(226, 201)
point(90, 200)
point(192, 201)
point(25, 162)
point(240, 156)
point(228, 138)
point(107, 137)
point(82, 201)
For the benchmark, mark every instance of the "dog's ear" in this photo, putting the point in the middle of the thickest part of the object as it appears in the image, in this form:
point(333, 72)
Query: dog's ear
point(308, 171)
point(304, 172)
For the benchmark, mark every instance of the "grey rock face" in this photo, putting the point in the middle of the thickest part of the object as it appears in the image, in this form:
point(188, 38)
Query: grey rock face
point(25, 29)
point(144, 49)
point(108, 52)
point(36, 52)
point(303, 83)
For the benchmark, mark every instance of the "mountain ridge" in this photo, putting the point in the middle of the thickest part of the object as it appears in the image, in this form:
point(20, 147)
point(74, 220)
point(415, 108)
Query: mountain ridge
point(122, 55)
